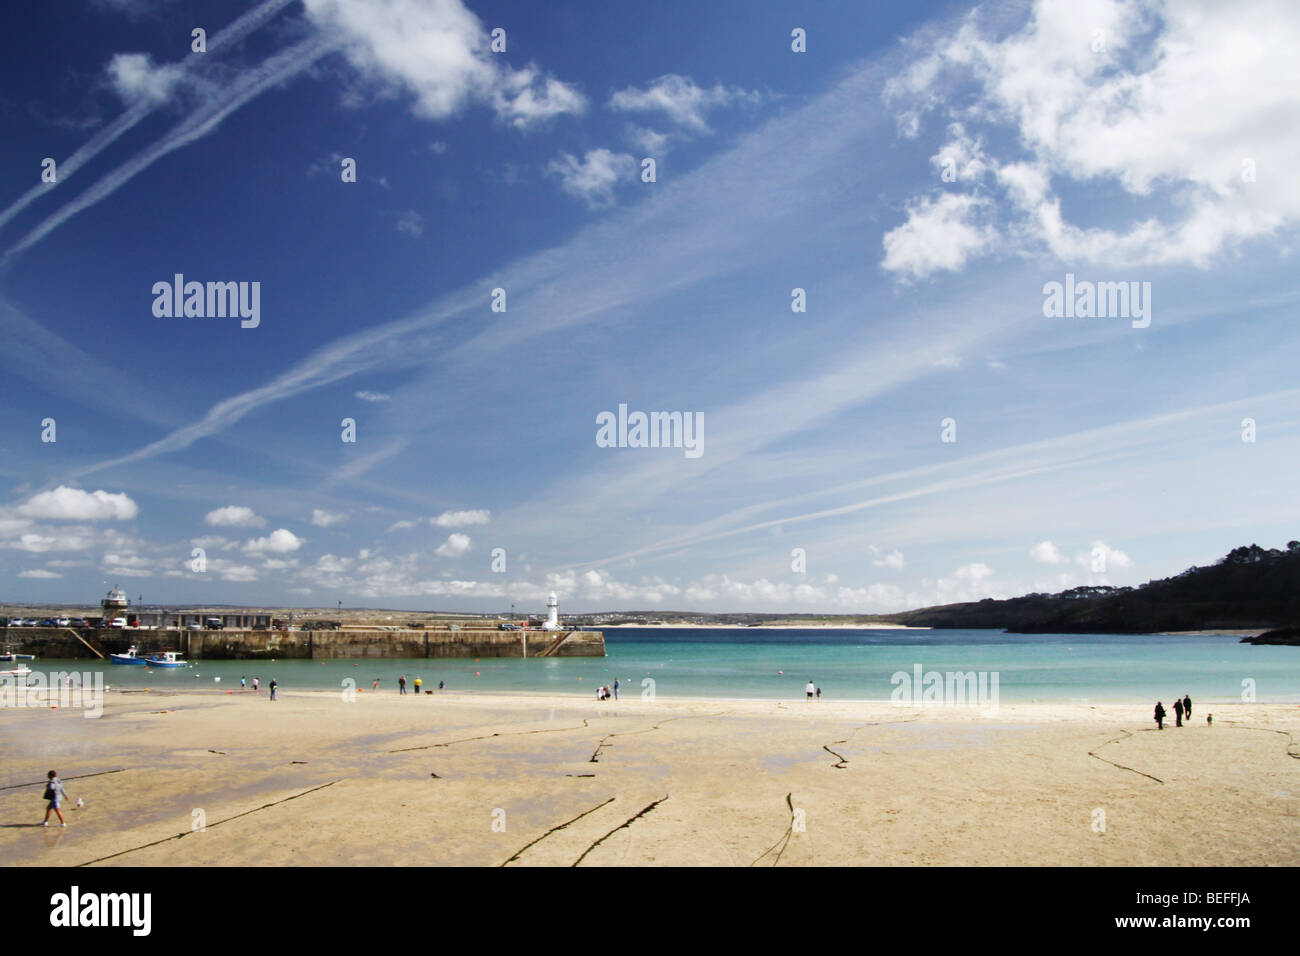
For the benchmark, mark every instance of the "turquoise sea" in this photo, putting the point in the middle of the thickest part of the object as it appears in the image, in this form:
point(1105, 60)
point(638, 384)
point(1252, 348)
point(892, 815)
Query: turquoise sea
point(775, 664)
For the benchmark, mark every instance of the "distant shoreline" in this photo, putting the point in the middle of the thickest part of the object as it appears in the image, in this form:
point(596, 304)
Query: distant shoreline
point(768, 627)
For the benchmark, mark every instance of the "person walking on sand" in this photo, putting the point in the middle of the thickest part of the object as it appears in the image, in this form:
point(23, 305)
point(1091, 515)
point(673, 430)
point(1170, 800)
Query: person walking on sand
point(441, 685)
point(375, 685)
point(1187, 707)
point(809, 691)
point(616, 688)
point(418, 684)
point(1178, 712)
point(55, 794)
point(401, 684)
point(1160, 716)
point(243, 684)
point(255, 686)
point(272, 685)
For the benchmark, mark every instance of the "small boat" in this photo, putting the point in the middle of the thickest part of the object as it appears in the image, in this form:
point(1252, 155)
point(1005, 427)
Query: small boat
point(127, 658)
point(17, 657)
point(15, 672)
point(165, 659)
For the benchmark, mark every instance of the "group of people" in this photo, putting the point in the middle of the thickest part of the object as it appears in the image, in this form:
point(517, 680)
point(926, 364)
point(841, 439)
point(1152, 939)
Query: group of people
point(243, 685)
point(605, 693)
point(417, 684)
point(812, 690)
point(1182, 709)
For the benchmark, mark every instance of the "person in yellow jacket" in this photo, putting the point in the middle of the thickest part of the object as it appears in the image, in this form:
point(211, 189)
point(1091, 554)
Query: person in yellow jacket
point(418, 682)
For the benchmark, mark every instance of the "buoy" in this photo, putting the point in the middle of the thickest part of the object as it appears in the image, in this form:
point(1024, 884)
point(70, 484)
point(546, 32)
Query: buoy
point(216, 680)
point(477, 674)
point(230, 692)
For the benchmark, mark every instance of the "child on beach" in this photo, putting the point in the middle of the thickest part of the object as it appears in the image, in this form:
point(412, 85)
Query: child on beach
point(55, 794)
point(255, 685)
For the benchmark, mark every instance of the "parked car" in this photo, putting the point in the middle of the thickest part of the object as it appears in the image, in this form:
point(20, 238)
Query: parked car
point(78, 622)
point(214, 624)
point(509, 627)
point(194, 626)
point(117, 622)
point(62, 622)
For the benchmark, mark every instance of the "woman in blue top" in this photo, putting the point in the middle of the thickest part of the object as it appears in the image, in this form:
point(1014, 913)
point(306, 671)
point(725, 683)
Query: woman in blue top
point(55, 794)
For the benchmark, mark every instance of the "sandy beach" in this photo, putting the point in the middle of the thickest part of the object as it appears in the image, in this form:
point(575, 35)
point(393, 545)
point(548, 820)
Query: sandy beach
point(486, 780)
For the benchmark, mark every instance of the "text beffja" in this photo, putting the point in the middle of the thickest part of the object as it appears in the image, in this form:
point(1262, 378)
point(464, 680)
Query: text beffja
point(212, 300)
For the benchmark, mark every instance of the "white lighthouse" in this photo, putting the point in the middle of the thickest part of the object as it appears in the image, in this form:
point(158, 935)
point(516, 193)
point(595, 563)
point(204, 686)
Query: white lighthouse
point(552, 614)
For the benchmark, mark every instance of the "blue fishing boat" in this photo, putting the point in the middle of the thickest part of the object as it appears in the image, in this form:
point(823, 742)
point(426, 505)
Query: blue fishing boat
point(166, 659)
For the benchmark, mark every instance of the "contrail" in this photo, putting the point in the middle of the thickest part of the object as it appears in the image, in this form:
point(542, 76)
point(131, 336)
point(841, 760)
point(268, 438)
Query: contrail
point(232, 34)
point(270, 72)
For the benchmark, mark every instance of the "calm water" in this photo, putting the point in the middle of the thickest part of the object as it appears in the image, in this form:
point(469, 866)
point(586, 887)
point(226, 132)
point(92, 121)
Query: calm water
point(776, 664)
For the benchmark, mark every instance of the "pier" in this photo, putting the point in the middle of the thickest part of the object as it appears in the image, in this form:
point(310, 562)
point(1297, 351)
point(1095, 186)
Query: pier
point(373, 643)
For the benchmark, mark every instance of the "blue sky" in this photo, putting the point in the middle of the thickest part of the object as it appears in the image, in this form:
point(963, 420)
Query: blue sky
point(921, 172)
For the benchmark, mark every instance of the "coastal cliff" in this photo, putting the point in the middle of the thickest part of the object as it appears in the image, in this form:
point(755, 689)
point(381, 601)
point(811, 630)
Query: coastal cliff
point(1249, 588)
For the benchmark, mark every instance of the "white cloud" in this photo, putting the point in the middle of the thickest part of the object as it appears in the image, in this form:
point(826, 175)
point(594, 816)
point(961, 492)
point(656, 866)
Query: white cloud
point(135, 78)
point(411, 223)
point(461, 519)
point(650, 142)
point(39, 574)
point(680, 100)
point(325, 519)
point(234, 516)
point(592, 178)
point(279, 541)
point(974, 573)
point(892, 560)
point(240, 573)
point(38, 543)
point(400, 526)
point(373, 396)
point(437, 51)
point(128, 572)
point(1046, 553)
point(1170, 106)
point(456, 544)
point(961, 158)
point(73, 504)
point(1102, 558)
point(939, 234)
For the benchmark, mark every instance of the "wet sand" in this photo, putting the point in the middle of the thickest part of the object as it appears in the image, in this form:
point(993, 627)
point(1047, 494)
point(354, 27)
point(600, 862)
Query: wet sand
point(486, 780)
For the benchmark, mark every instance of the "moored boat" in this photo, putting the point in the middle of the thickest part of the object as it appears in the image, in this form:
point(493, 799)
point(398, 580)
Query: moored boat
point(127, 658)
point(165, 659)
